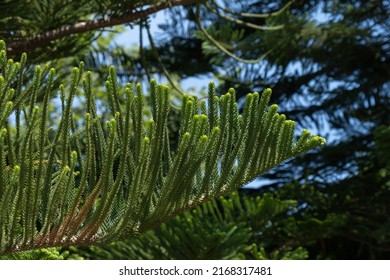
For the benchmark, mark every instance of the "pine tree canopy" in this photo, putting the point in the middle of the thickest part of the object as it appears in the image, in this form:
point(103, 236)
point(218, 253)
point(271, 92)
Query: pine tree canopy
point(91, 181)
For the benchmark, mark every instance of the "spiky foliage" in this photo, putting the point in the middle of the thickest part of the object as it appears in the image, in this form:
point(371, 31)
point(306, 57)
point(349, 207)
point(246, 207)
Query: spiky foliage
point(41, 254)
point(63, 186)
point(231, 227)
point(226, 228)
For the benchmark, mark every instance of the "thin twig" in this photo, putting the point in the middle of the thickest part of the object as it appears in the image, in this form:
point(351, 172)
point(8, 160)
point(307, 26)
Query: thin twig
point(219, 45)
point(243, 23)
point(157, 56)
point(142, 53)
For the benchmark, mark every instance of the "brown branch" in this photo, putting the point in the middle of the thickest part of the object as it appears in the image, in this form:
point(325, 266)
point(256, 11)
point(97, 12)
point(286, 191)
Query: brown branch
point(44, 38)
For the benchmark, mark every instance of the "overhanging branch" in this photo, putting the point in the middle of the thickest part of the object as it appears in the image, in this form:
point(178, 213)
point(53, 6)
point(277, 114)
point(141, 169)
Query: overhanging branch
point(44, 38)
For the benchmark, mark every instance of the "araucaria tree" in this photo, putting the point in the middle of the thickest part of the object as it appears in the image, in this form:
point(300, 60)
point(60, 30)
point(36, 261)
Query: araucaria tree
point(91, 181)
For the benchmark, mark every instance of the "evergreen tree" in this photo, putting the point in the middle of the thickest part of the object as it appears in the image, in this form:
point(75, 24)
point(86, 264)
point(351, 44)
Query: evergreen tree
point(333, 54)
point(64, 186)
point(225, 228)
point(328, 63)
point(50, 30)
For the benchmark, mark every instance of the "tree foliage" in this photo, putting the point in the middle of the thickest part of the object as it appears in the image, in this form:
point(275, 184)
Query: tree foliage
point(63, 186)
point(329, 69)
point(328, 65)
point(326, 61)
point(224, 228)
